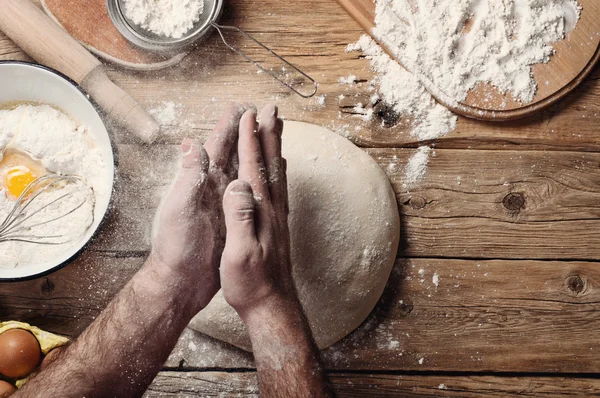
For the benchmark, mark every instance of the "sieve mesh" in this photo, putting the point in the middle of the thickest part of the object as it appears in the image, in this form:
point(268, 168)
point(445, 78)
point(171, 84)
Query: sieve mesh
point(211, 13)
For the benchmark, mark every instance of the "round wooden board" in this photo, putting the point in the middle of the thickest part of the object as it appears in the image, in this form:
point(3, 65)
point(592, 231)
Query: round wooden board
point(88, 22)
point(574, 59)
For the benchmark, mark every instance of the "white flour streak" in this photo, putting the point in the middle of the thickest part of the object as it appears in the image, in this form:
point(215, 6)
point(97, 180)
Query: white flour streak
point(417, 167)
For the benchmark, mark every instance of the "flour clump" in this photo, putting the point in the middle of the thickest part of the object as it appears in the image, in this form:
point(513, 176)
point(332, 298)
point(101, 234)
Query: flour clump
point(170, 18)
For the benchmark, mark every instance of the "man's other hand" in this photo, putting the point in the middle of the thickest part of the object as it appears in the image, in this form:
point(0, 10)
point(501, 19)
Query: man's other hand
point(255, 268)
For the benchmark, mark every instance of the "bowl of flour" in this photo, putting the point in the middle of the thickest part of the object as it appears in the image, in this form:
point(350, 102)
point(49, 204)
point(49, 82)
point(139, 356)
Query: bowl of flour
point(49, 127)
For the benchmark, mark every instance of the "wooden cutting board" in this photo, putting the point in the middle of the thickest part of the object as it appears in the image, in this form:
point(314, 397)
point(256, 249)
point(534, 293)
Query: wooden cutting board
point(88, 21)
point(574, 59)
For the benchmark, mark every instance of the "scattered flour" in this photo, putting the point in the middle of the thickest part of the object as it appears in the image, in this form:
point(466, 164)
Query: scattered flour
point(321, 101)
point(416, 168)
point(166, 114)
point(436, 279)
point(456, 44)
point(172, 117)
point(405, 94)
point(55, 143)
point(171, 18)
point(351, 79)
point(394, 344)
point(366, 114)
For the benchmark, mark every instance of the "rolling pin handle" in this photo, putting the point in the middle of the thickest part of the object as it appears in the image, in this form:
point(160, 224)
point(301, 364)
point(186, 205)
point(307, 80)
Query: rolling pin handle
point(124, 110)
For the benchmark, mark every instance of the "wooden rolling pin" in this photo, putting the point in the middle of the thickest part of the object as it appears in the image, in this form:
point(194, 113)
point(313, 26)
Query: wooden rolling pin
point(47, 43)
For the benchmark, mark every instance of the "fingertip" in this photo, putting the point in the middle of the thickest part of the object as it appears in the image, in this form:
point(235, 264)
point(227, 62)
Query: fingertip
point(248, 106)
point(248, 122)
point(186, 146)
point(194, 154)
point(239, 187)
point(236, 109)
point(270, 111)
point(249, 114)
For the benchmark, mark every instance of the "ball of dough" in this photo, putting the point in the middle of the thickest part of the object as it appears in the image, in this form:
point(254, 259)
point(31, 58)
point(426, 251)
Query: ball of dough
point(345, 231)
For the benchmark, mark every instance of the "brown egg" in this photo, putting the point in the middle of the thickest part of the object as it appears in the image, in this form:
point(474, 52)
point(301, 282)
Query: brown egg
point(6, 389)
point(19, 353)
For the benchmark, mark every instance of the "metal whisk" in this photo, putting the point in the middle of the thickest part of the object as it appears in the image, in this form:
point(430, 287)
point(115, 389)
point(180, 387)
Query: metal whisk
point(22, 221)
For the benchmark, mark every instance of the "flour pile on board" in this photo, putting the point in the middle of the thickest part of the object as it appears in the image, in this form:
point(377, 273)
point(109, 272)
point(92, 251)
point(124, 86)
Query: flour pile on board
point(171, 18)
point(451, 46)
point(456, 44)
point(416, 167)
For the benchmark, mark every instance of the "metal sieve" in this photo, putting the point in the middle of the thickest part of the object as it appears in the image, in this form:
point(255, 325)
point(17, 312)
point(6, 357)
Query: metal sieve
point(208, 22)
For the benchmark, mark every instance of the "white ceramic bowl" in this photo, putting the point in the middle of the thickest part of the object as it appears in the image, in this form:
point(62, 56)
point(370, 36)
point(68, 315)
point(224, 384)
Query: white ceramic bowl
point(21, 81)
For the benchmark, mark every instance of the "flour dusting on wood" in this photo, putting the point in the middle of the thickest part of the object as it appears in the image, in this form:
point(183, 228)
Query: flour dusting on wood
point(416, 167)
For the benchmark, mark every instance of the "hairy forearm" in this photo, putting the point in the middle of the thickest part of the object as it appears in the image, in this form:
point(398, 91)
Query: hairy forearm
point(286, 356)
point(123, 349)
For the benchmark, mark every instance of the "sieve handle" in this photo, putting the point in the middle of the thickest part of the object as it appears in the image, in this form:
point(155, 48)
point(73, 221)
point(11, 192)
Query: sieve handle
point(221, 28)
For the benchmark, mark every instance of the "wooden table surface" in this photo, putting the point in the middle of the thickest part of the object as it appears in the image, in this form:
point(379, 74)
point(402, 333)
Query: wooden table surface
point(508, 216)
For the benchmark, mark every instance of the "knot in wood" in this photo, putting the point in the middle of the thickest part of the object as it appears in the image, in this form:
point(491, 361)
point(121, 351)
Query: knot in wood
point(417, 202)
point(47, 287)
point(514, 201)
point(388, 116)
point(405, 309)
point(575, 284)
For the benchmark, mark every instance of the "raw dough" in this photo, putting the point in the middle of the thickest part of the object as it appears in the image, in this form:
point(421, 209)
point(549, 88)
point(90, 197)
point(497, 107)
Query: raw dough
point(345, 232)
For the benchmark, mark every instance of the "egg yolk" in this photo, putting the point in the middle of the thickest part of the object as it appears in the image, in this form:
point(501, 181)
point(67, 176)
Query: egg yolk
point(18, 179)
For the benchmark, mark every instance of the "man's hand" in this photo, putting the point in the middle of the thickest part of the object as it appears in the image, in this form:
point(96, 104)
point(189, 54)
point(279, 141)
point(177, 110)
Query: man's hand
point(256, 273)
point(256, 269)
point(189, 231)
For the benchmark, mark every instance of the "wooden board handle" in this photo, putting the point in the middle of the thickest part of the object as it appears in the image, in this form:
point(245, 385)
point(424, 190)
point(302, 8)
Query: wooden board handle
point(362, 11)
point(47, 43)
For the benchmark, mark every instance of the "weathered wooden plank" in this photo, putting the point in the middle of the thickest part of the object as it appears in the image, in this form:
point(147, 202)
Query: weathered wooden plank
point(315, 37)
point(68, 300)
point(218, 384)
point(471, 204)
point(500, 204)
point(480, 316)
point(510, 316)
